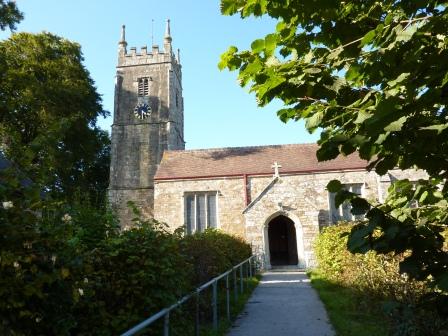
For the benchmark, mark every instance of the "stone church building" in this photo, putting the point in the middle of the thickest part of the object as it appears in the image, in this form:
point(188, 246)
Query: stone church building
point(274, 197)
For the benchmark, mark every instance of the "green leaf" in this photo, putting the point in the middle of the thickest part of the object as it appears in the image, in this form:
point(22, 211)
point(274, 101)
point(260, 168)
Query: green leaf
point(270, 43)
point(230, 7)
point(368, 37)
point(399, 79)
point(275, 81)
point(257, 45)
point(353, 73)
point(334, 186)
point(385, 164)
point(227, 58)
point(312, 70)
point(357, 241)
point(381, 138)
point(359, 206)
point(342, 196)
point(308, 57)
point(439, 128)
point(337, 85)
point(445, 79)
point(388, 19)
point(362, 116)
point(314, 121)
point(334, 54)
point(254, 67)
point(423, 196)
point(407, 33)
point(437, 194)
point(327, 152)
point(397, 125)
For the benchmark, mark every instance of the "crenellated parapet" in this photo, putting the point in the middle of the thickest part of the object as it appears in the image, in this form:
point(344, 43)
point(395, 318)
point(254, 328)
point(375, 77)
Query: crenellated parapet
point(133, 56)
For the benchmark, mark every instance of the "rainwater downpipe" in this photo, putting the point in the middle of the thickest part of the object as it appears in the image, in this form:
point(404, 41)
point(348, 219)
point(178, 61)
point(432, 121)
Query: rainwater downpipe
point(246, 190)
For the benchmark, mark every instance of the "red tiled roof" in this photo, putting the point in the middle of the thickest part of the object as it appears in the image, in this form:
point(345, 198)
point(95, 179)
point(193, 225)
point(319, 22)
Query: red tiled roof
point(257, 160)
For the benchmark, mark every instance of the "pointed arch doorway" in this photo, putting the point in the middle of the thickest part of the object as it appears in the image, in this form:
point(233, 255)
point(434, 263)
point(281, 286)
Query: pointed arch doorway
point(282, 240)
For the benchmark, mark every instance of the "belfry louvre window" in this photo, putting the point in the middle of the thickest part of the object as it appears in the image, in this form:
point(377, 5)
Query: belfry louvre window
point(200, 211)
point(343, 212)
point(177, 98)
point(143, 87)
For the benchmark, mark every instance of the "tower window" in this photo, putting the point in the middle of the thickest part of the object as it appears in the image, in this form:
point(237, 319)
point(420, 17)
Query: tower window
point(143, 86)
point(177, 98)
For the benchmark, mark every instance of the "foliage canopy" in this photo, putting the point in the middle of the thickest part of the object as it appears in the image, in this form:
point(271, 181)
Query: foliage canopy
point(48, 112)
point(9, 15)
point(373, 76)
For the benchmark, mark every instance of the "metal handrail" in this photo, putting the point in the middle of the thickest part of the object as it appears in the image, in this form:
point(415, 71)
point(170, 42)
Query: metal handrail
point(165, 313)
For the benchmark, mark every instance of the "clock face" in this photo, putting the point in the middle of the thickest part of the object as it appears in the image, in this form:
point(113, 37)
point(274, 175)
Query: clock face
point(142, 111)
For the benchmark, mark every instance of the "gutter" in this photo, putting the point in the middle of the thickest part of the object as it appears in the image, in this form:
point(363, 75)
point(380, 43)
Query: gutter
point(241, 175)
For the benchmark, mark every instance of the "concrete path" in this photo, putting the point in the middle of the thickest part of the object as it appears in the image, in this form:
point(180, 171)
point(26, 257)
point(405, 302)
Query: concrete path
point(283, 304)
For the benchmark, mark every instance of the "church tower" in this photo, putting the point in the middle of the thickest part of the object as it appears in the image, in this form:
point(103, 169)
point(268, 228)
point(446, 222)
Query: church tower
point(148, 119)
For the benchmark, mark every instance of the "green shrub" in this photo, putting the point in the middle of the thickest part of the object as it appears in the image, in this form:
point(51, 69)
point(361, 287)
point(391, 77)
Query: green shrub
point(331, 251)
point(213, 252)
point(377, 274)
point(129, 277)
point(35, 261)
point(68, 269)
point(408, 304)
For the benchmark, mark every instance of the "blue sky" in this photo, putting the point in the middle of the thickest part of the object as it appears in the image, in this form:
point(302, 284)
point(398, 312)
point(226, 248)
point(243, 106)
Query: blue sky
point(218, 112)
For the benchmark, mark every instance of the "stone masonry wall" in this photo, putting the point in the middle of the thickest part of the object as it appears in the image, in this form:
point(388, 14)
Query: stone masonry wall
point(142, 198)
point(169, 203)
point(137, 145)
point(302, 198)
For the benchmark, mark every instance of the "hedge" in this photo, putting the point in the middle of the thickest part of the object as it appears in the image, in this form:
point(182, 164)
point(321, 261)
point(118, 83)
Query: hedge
point(213, 252)
point(70, 270)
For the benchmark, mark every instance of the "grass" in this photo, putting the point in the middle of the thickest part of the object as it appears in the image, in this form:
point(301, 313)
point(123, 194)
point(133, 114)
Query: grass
point(182, 319)
point(235, 309)
point(346, 310)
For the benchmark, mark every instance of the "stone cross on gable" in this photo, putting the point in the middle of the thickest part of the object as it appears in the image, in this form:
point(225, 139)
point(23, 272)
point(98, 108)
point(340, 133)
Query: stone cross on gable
point(276, 166)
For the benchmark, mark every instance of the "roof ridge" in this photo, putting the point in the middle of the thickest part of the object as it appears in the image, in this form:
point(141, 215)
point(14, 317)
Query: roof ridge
point(240, 147)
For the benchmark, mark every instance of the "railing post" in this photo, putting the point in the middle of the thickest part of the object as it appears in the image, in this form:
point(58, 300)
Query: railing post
point(241, 278)
point(250, 267)
point(215, 305)
point(165, 313)
point(166, 324)
point(227, 298)
point(247, 275)
point(235, 286)
point(197, 322)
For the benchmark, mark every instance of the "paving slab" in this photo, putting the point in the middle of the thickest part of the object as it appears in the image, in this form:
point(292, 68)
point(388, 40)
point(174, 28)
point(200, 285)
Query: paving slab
point(283, 304)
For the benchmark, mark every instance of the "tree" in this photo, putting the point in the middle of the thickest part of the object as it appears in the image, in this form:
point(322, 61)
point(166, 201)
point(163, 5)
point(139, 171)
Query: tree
point(48, 112)
point(9, 15)
point(373, 76)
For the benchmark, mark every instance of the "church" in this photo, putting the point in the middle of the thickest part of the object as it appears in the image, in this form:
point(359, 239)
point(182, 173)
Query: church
point(274, 197)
